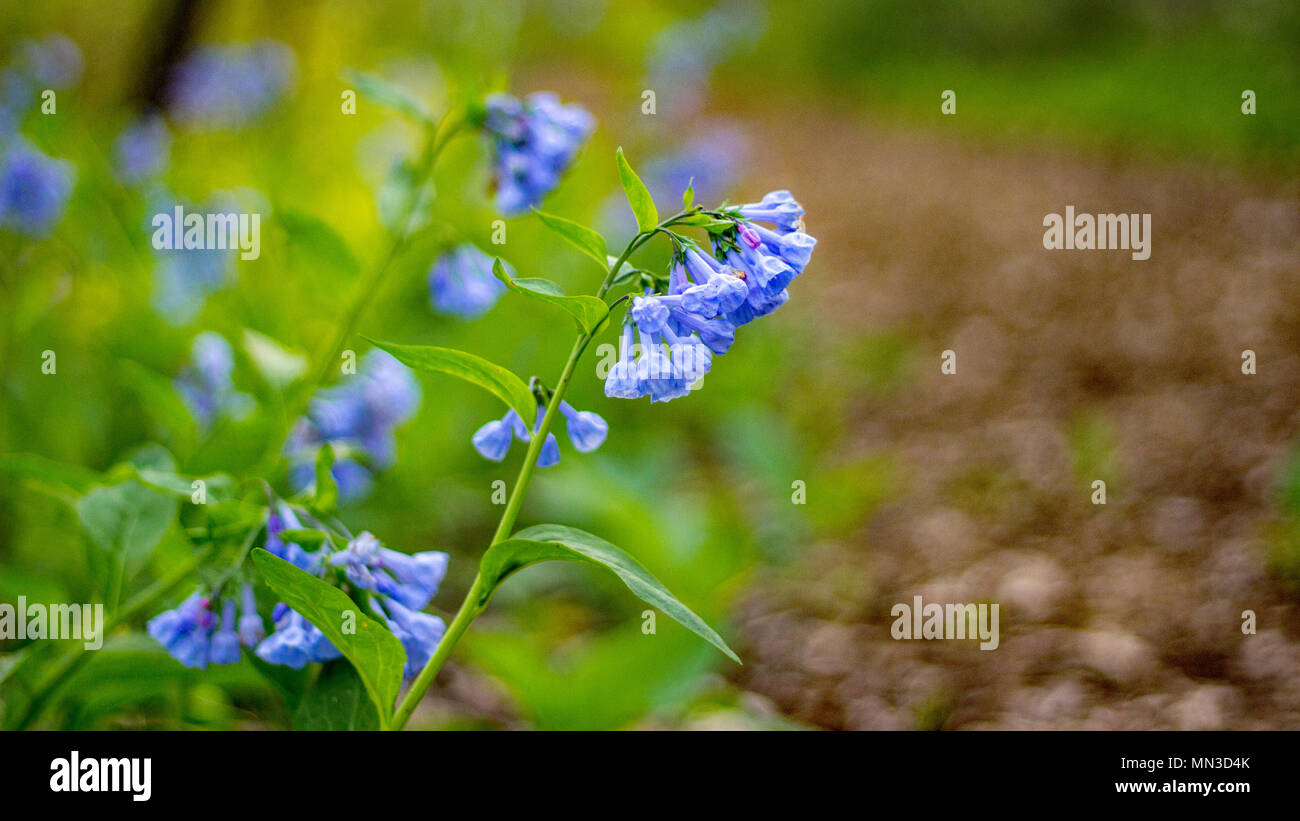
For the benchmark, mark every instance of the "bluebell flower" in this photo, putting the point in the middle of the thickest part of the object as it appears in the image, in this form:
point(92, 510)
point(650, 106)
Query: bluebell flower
point(777, 207)
point(186, 631)
point(219, 87)
point(225, 642)
point(205, 383)
point(533, 142)
point(251, 630)
point(278, 520)
point(550, 453)
point(794, 248)
point(461, 283)
point(142, 149)
point(418, 632)
point(295, 641)
point(587, 430)
point(360, 412)
point(34, 189)
point(667, 366)
point(411, 579)
point(494, 438)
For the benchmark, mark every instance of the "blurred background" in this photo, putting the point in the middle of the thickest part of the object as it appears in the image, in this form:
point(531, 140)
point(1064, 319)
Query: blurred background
point(974, 487)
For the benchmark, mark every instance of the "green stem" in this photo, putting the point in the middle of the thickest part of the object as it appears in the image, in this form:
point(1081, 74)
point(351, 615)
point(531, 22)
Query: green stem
point(476, 599)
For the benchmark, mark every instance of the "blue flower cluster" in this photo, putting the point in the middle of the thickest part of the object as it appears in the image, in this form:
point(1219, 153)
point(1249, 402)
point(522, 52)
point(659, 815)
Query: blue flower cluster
point(709, 297)
point(227, 87)
point(586, 430)
point(195, 636)
point(205, 383)
point(533, 142)
point(361, 414)
point(461, 283)
point(399, 587)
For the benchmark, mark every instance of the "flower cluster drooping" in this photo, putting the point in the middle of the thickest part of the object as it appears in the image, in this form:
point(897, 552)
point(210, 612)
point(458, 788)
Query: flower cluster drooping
point(220, 87)
point(533, 142)
point(461, 283)
point(196, 636)
point(205, 383)
point(398, 585)
point(360, 413)
point(586, 430)
point(709, 296)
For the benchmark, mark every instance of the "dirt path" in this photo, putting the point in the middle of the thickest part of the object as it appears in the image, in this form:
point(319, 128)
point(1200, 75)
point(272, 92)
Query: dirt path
point(1071, 366)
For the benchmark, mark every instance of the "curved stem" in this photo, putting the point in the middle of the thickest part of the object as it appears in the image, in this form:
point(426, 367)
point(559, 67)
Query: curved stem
point(476, 599)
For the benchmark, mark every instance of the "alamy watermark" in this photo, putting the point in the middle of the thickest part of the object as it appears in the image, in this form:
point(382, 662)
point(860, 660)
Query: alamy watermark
point(950, 621)
point(1086, 232)
point(27, 622)
point(179, 231)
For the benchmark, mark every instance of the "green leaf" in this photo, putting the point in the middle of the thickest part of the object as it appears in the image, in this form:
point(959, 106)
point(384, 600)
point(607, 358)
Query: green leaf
point(587, 311)
point(385, 93)
point(688, 196)
point(313, 243)
point(638, 196)
point(127, 520)
point(475, 369)
point(580, 236)
point(326, 498)
point(542, 543)
point(337, 701)
point(375, 652)
point(71, 479)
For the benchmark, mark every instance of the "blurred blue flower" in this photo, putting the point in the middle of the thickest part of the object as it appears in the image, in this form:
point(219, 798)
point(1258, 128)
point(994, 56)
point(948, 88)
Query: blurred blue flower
point(34, 189)
point(461, 283)
point(533, 142)
point(51, 62)
point(142, 149)
point(418, 632)
point(360, 412)
point(682, 56)
point(226, 87)
point(205, 383)
point(186, 630)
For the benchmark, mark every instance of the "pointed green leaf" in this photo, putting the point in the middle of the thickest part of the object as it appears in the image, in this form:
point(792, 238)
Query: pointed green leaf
point(336, 701)
point(374, 651)
point(385, 93)
point(474, 369)
point(542, 543)
point(127, 520)
point(579, 236)
point(638, 196)
point(688, 196)
point(587, 311)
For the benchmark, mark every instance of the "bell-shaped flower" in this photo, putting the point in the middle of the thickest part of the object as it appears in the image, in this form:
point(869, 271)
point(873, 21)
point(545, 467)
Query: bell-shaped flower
point(587, 430)
point(251, 630)
point(418, 632)
point(225, 642)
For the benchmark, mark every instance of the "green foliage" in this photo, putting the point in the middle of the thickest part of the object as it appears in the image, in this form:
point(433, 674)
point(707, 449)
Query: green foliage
point(375, 652)
point(587, 311)
point(473, 369)
point(581, 237)
point(638, 196)
point(542, 543)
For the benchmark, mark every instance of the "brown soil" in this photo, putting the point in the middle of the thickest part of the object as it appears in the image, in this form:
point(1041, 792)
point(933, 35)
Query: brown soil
point(1127, 615)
